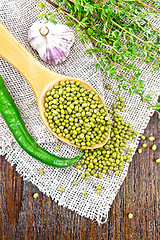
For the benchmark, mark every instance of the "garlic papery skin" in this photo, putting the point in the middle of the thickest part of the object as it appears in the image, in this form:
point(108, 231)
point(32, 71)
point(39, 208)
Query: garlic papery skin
point(52, 41)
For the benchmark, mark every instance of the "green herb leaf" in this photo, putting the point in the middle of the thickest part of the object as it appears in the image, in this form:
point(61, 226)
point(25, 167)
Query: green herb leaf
point(120, 33)
point(69, 23)
point(41, 5)
point(40, 15)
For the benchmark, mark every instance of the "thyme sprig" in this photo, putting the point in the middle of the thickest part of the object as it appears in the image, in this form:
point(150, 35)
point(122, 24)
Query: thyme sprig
point(121, 35)
point(47, 16)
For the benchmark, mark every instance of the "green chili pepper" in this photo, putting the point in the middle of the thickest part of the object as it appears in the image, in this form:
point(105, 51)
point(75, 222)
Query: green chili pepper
point(16, 125)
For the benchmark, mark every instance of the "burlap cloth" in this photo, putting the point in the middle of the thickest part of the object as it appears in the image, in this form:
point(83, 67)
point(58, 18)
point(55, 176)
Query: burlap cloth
point(18, 16)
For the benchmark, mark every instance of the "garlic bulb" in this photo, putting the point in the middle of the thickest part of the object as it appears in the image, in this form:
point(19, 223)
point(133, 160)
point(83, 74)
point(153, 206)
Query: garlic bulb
point(52, 41)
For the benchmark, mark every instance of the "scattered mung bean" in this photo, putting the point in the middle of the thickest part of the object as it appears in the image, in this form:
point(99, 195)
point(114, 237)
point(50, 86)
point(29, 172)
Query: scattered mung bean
point(35, 195)
point(158, 160)
point(130, 215)
point(56, 148)
point(151, 138)
point(41, 171)
point(154, 147)
point(84, 192)
point(61, 189)
point(75, 183)
point(108, 87)
point(139, 150)
point(82, 175)
point(143, 137)
point(144, 145)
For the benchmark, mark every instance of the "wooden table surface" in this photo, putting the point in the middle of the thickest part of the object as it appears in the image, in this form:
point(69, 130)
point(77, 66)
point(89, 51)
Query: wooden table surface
point(23, 217)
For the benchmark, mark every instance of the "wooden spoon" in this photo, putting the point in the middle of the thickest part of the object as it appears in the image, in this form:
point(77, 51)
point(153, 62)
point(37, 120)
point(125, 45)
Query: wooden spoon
point(40, 78)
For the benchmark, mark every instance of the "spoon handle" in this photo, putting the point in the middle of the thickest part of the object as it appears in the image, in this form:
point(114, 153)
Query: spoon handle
point(14, 53)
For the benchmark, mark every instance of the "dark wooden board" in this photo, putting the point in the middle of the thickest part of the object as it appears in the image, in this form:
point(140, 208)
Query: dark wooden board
point(23, 217)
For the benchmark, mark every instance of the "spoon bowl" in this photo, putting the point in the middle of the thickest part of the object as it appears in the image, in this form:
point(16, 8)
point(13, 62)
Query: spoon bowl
point(39, 77)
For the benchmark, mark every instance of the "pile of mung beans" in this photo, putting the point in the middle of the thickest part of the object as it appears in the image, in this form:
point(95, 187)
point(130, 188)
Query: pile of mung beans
point(111, 156)
point(77, 114)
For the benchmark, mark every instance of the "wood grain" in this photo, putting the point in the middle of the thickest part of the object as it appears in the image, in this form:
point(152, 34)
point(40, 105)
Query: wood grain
point(23, 217)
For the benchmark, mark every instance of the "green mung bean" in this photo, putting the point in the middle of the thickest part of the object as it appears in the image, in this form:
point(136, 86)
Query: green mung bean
point(144, 145)
point(154, 147)
point(151, 138)
point(56, 148)
point(139, 150)
point(82, 175)
point(75, 183)
point(158, 160)
point(41, 171)
point(61, 189)
point(108, 87)
point(143, 137)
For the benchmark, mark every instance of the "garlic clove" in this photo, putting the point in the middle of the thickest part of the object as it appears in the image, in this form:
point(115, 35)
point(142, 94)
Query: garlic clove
point(52, 42)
